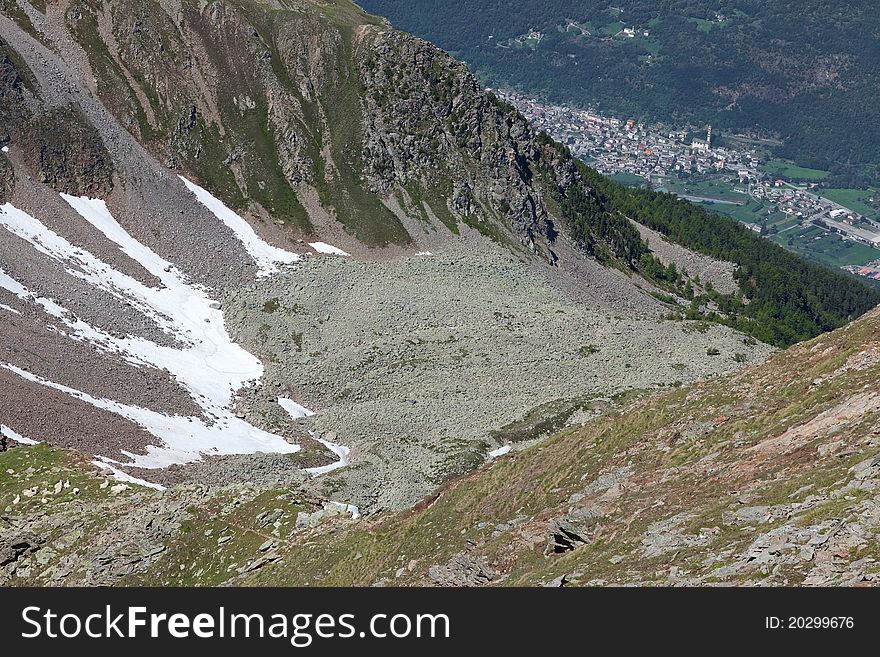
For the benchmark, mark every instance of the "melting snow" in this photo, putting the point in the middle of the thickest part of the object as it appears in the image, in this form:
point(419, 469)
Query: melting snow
point(296, 411)
point(329, 249)
point(207, 363)
point(501, 451)
point(17, 437)
point(6, 281)
point(81, 329)
point(185, 439)
point(265, 255)
point(340, 450)
point(119, 475)
point(293, 409)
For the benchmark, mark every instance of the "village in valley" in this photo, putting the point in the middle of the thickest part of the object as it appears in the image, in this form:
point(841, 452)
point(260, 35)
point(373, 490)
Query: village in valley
point(773, 198)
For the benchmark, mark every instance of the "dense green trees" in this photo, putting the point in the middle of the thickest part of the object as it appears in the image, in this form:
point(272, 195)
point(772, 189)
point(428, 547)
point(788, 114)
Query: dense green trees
point(783, 299)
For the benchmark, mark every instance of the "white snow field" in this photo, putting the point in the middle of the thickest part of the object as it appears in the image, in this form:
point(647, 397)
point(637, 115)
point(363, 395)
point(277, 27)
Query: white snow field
point(206, 362)
point(265, 255)
point(327, 249)
point(17, 437)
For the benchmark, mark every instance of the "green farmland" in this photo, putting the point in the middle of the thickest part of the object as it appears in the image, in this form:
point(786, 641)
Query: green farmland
point(828, 248)
point(790, 171)
point(854, 199)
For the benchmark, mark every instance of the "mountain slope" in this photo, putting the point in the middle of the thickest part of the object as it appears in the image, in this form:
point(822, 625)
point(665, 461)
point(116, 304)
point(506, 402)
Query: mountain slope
point(281, 243)
point(170, 298)
point(308, 117)
point(770, 475)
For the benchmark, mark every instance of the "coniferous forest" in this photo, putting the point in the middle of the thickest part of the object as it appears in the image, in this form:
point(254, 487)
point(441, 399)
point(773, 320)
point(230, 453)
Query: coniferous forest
point(783, 299)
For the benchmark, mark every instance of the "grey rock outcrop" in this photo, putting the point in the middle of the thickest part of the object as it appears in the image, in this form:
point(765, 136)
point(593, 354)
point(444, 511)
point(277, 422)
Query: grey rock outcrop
point(462, 570)
point(564, 536)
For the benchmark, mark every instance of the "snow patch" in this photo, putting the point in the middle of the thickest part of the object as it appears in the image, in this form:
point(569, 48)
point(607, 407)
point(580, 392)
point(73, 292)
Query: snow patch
point(264, 254)
point(5, 149)
point(208, 364)
point(340, 450)
point(424, 253)
point(501, 451)
point(120, 475)
point(328, 249)
point(6, 281)
point(17, 437)
point(297, 411)
point(80, 330)
point(11, 285)
point(184, 439)
point(10, 309)
point(293, 409)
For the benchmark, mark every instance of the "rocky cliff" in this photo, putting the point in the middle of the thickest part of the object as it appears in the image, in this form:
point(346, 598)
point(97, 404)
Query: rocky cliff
point(291, 112)
point(57, 144)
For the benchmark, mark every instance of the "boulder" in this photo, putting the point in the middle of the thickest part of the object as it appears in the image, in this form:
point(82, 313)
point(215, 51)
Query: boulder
point(564, 536)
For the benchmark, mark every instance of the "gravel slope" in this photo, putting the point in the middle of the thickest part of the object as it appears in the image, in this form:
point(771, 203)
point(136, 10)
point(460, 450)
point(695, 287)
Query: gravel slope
point(413, 362)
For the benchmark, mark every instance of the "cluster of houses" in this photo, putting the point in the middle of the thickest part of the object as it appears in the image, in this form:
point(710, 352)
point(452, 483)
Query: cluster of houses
point(615, 145)
point(623, 146)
